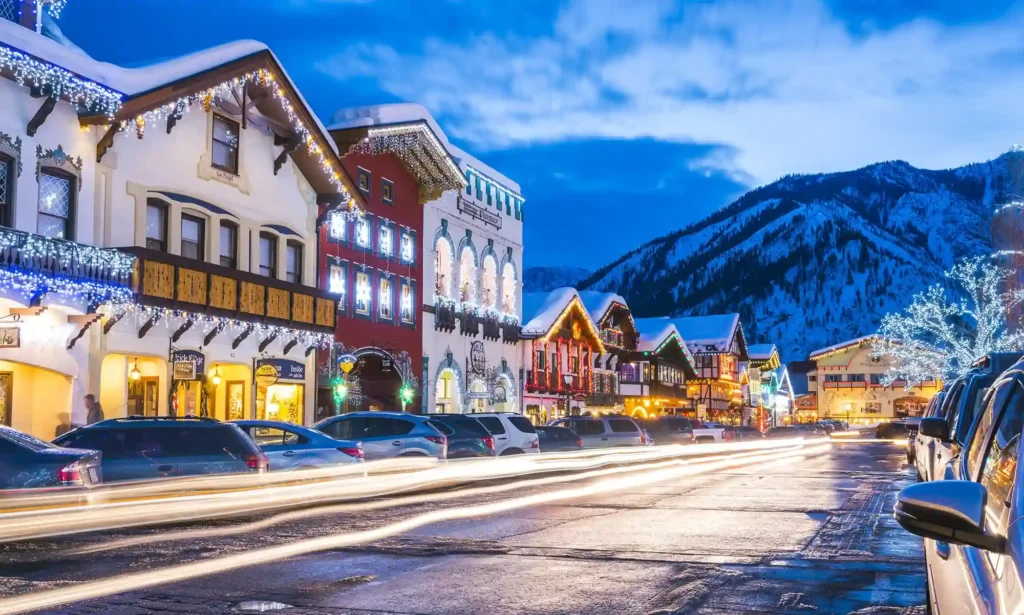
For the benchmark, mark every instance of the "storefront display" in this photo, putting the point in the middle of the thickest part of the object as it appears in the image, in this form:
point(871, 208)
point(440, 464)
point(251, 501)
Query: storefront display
point(280, 386)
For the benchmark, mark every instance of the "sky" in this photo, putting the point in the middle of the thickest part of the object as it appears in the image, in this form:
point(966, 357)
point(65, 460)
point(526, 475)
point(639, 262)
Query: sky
point(623, 120)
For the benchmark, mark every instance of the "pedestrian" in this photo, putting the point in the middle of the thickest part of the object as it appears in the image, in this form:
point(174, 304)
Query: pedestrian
point(94, 411)
point(64, 426)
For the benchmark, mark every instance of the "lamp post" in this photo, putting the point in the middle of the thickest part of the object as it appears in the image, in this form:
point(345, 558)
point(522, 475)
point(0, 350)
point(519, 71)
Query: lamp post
point(847, 406)
point(567, 378)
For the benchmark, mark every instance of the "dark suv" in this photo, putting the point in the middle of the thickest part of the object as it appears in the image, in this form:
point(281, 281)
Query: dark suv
point(467, 437)
point(139, 448)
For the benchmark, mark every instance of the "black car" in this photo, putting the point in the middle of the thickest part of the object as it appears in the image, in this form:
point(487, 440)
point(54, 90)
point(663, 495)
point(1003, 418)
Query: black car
point(783, 431)
point(746, 432)
point(892, 430)
point(669, 429)
point(28, 462)
point(553, 439)
point(138, 448)
point(467, 437)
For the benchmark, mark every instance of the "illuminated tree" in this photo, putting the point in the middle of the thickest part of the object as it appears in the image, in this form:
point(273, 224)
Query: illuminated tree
point(951, 324)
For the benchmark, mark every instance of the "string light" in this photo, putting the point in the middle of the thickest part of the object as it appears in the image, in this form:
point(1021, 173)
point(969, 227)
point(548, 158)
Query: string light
point(59, 83)
point(416, 145)
point(54, 7)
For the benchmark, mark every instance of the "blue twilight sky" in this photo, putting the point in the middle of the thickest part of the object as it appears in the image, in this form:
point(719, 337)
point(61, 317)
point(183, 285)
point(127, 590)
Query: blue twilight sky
point(626, 119)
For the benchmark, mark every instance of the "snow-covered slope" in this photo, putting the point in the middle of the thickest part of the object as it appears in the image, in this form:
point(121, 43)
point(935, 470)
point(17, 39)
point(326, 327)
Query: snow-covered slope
point(543, 279)
point(812, 260)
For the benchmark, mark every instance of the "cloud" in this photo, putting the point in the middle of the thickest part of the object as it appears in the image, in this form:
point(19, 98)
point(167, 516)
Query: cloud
point(789, 86)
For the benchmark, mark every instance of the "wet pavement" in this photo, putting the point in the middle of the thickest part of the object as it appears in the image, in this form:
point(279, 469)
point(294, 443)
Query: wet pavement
point(816, 536)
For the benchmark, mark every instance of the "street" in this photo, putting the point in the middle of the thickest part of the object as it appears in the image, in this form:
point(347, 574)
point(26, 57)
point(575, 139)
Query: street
point(812, 534)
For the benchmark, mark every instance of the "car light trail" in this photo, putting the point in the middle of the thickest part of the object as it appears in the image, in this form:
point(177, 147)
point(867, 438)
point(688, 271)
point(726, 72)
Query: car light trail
point(896, 441)
point(170, 574)
point(221, 497)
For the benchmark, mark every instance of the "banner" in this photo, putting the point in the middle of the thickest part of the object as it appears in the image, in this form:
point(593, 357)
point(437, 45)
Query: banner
point(285, 369)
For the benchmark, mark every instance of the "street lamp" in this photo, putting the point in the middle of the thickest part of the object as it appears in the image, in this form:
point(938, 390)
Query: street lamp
point(567, 378)
point(847, 407)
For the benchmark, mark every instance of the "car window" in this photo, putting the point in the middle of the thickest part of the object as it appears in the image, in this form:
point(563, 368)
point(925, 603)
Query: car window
point(980, 436)
point(9, 448)
point(26, 440)
point(463, 426)
point(387, 427)
point(1000, 466)
point(963, 420)
point(544, 435)
point(438, 425)
point(267, 436)
point(622, 426)
point(586, 427)
point(493, 424)
point(350, 428)
point(952, 400)
point(522, 423)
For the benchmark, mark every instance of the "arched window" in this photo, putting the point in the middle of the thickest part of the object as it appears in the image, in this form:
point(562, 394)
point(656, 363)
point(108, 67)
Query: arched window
point(490, 283)
point(443, 268)
point(467, 269)
point(508, 289)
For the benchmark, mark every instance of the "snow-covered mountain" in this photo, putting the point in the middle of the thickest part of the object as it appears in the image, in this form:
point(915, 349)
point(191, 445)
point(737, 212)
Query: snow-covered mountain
point(541, 279)
point(812, 260)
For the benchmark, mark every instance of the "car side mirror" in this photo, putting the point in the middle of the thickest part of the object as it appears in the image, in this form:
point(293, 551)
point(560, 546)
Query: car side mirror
point(947, 511)
point(934, 428)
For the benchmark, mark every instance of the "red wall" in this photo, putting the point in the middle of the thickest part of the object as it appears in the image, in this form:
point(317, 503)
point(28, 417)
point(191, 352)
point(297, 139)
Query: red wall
point(405, 211)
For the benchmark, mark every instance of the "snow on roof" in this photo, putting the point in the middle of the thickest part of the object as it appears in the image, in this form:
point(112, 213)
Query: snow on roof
point(543, 309)
point(653, 332)
point(717, 330)
point(760, 352)
point(859, 341)
point(598, 303)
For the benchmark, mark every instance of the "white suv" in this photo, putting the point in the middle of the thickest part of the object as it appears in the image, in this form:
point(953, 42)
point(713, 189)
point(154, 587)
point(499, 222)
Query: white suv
point(513, 433)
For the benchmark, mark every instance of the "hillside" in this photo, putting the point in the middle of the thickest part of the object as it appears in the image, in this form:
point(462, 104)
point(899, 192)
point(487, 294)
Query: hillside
point(811, 260)
point(542, 279)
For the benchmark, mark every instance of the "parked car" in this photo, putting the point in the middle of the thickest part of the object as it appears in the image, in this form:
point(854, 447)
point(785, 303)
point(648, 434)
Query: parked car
point(891, 430)
point(387, 434)
point(746, 432)
point(912, 423)
point(604, 431)
point(514, 434)
point(827, 426)
point(783, 431)
point(291, 447)
point(973, 544)
point(29, 462)
point(138, 448)
point(554, 439)
point(669, 429)
point(959, 409)
point(810, 429)
point(919, 448)
point(467, 437)
point(706, 431)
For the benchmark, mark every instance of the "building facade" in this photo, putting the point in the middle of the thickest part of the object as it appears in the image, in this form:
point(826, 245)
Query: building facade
point(179, 166)
point(847, 385)
point(618, 332)
point(719, 348)
point(654, 378)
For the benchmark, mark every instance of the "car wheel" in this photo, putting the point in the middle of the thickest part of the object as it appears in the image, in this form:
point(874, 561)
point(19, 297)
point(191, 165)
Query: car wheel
point(511, 451)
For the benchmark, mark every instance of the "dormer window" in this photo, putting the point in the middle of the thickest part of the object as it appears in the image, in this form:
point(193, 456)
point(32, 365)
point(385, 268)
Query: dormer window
point(387, 191)
point(363, 179)
point(225, 144)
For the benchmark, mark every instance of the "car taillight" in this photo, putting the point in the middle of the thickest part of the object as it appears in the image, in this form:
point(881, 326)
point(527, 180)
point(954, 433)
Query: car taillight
point(728, 435)
point(489, 441)
point(69, 474)
point(643, 438)
point(438, 439)
point(579, 442)
point(535, 443)
point(258, 462)
point(352, 451)
point(692, 437)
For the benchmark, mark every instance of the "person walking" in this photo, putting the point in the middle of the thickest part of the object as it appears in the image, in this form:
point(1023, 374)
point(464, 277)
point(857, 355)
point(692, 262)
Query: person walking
point(94, 411)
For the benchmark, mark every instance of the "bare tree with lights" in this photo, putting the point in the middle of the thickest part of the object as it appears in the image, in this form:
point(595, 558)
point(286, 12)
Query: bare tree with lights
point(951, 324)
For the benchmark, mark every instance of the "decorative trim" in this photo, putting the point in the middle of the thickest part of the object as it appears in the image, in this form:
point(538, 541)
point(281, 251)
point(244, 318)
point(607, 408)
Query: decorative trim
point(58, 158)
point(12, 148)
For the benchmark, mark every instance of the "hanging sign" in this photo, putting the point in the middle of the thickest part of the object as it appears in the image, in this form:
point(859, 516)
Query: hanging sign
point(188, 364)
point(347, 362)
point(10, 337)
point(266, 375)
point(285, 369)
point(385, 364)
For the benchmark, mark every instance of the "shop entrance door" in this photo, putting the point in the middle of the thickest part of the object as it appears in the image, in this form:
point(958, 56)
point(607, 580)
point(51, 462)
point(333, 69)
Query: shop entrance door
point(6, 400)
point(144, 401)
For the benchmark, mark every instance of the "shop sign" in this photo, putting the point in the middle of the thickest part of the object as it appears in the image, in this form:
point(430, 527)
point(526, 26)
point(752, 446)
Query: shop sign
point(266, 375)
point(10, 337)
point(188, 364)
point(475, 211)
point(285, 369)
point(347, 363)
point(385, 364)
point(808, 401)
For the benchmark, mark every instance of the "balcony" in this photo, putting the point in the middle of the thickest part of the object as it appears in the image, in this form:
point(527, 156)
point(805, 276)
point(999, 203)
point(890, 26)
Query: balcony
point(492, 326)
point(848, 385)
point(444, 315)
point(469, 322)
point(173, 282)
point(510, 331)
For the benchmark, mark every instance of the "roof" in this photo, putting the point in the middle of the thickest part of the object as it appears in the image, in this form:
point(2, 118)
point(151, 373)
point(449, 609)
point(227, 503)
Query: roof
point(761, 352)
point(543, 309)
point(713, 333)
point(598, 303)
point(469, 161)
point(654, 332)
point(856, 342)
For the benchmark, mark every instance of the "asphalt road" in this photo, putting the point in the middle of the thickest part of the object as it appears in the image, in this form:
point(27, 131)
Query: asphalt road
point(816, 536)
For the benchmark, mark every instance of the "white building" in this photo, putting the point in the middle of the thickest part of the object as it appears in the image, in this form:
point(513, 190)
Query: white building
point(205, 172)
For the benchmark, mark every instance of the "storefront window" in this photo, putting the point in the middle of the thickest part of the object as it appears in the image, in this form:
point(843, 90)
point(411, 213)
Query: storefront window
point(279, 402)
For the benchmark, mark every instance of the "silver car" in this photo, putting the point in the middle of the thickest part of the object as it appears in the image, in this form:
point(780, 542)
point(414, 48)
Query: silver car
point(387, 434)
point(974, 543)
point(604, 431)
point(291, 447)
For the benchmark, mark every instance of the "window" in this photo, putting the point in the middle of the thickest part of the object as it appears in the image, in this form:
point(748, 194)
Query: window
point(225, 144)
point(386, 240)
point(268, 255)
point(228, 245)
point(337, 228)
point(6, 190)
point(875, 378)
point(156, 225)
point(405, 250)
point(469, 183)
point(479, 189)
point(387, 190)
point(293, 263)
point(489, 190)
point(405, 304)
point(833, 377)
point(193, 237)
point(517, 209)
point(363, 232)
point(855, 377)
point(336, 280)
point(493, 424)
point(384, 298)
point(812, 378)
point(56, 205)
point(363, 293)
point(622, 426)
point(542, 360)
point(363, 178)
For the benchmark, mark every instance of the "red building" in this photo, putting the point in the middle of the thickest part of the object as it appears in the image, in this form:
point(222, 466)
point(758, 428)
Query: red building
point(372, 261)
